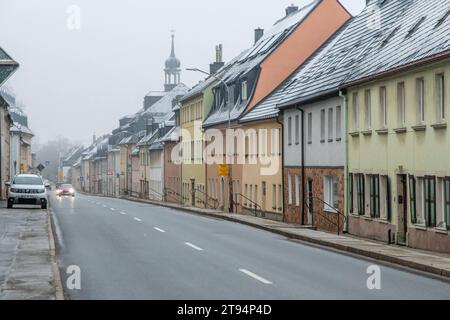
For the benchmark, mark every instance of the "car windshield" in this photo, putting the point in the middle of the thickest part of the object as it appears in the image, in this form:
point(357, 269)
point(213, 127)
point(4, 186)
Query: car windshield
point(66, 186)
point(34, 181)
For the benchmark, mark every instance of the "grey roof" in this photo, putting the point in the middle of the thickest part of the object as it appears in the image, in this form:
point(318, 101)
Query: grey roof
point(132, 139)
point(253, 57)
point(7, 66)
point(18, 116)
point(164, 105)
point(371, 44)
point(197, 89)
point(422, 31)
point(172, 136)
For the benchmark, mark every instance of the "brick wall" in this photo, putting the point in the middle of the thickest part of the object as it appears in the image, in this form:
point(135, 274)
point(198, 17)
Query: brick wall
point(321, 219)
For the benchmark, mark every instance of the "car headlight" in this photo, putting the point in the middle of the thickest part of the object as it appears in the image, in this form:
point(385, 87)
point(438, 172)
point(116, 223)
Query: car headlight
point(14, 190)
point(41, 191)
point(71, 190)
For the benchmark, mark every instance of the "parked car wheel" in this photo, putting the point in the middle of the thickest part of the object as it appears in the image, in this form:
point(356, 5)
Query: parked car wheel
point(44, 206)
point(10, 205)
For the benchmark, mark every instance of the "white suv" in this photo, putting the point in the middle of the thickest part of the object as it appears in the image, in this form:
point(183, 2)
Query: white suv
point(27, 189)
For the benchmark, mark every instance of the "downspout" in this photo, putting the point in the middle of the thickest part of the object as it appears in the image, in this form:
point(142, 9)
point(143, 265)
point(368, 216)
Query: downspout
point(302, 145)
point(282, 164)
point(342, 94)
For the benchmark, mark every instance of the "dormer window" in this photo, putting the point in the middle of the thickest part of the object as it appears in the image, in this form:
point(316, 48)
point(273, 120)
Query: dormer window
point(244, 94)
point(218, 98)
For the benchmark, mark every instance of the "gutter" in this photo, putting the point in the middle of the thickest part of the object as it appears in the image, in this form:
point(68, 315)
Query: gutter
point(343, 95)
point(303, 162)
point(282, 163)
point(309, 99)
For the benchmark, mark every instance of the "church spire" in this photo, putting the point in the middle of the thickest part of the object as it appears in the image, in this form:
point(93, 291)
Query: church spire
point(172, 69)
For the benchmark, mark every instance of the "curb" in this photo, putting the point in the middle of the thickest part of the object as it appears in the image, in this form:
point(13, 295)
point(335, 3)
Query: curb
point(348, 249)
point(59, 292)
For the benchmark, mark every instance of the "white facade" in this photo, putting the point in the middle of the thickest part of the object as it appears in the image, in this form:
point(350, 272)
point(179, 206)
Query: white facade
point(323, 135)
point(156, 174)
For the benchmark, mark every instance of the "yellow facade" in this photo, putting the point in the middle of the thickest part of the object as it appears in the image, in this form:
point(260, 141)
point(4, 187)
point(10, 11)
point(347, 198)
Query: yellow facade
point(409, 141)
point(262, 180)
point(193, 170)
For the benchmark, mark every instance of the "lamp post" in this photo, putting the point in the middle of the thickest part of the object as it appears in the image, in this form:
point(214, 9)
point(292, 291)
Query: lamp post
point(230, 176)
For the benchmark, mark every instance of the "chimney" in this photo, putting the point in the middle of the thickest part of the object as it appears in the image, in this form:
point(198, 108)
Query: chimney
point(291, 9)
point(215, 66)
point(259, 33)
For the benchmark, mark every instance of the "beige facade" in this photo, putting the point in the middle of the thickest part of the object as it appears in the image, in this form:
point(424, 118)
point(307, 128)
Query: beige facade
point(398, 158)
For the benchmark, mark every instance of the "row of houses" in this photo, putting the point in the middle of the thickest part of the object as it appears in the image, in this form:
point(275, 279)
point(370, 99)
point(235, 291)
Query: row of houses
point(15, 135)
point(327, 120)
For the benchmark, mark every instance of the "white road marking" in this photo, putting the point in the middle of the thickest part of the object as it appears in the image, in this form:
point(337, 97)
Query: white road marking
point(137, 219)
point(255, 276)
point(160, 230)
point(193, 246)
point(105, 206)
point(112, 209)
point(123, 213)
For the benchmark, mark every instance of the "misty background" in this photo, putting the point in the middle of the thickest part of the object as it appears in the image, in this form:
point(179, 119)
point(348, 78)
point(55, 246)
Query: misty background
point(75, 83)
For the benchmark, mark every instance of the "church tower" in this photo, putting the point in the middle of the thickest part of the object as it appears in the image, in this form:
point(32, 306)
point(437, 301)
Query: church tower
point(172, 69)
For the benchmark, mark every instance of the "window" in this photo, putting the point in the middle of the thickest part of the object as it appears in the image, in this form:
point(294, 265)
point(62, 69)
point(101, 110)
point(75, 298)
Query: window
point(338, 123)
point(297, 191)
point(290, 189)
point(374, 196)
point(250, 195)
point(322, 125)
point(297, 129)
point(420, 100)
point(330, 193)
point(401, 112)
point(310, 128)
point(330, 124)
point(430, 201)
point(290, 131)
point(360, 193)
point(383, 107)
point(244, 90)
point(255, 195)
point(440, 96)
point(355, 114)
point(368, 110)
point(350, 192)
point(447, 202)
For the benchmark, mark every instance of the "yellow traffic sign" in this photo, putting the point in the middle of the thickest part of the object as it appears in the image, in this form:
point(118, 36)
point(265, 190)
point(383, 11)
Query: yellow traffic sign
point(223, 170)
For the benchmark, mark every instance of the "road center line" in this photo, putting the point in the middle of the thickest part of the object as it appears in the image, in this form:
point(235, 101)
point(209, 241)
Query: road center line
point(123, 213)
point(193, 246)
point(112, 209)
point(137, 219)
point(255, 276)
point(158, 229)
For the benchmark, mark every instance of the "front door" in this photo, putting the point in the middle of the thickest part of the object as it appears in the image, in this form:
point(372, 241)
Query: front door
point(263, 198)
point(402, 208)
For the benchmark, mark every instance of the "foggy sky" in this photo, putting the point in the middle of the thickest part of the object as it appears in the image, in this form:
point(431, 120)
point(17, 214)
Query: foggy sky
point(79, 82)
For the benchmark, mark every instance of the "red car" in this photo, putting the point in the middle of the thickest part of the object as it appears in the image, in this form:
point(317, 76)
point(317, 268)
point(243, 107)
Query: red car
point(65, 190)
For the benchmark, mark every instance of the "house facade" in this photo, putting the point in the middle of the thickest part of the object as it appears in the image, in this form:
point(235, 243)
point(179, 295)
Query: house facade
point(398, 140)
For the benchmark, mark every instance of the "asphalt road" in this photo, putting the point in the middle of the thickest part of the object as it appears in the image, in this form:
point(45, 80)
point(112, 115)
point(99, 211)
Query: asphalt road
point(130, 250)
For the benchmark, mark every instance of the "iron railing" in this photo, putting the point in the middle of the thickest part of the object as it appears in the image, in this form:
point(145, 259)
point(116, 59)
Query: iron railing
point(207, 197)
point(253, 204)
point(333, 210)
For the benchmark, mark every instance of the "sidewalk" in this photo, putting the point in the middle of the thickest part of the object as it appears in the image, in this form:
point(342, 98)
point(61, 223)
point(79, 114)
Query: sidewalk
point(27, 264)
point(433, 263)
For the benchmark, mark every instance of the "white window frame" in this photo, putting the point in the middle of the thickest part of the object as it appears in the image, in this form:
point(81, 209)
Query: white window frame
point(368, 109)
point(322, 125)
point(383, 107)
point(329, 184)
point(297, 191)
point(310, 128)
point(330, 124)
point(440, 96)
point(338, 123)
point(289, 189)
point(244, 92)
point(401, 104)
point(420, 91)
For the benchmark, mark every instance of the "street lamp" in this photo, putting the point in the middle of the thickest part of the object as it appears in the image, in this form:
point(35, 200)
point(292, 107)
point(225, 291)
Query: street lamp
point(230, 182)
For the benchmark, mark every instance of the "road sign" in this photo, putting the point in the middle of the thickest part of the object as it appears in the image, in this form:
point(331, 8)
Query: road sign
point(40, 167)
point(47, 163)
point(223, 170)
